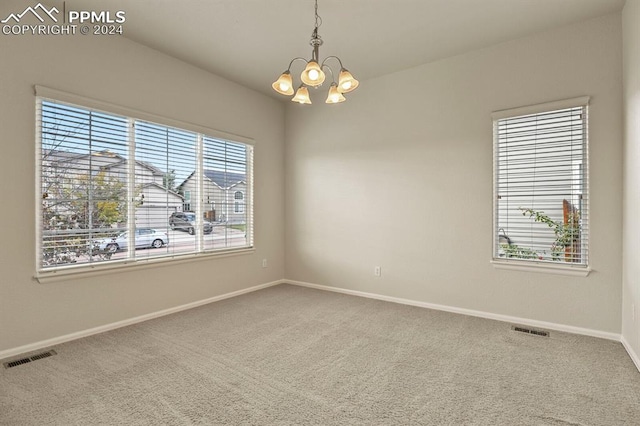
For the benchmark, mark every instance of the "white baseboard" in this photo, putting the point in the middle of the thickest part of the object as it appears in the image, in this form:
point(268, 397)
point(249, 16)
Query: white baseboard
point(505, 318)
point(470, 312)
point(107, 327)
point(631, 352)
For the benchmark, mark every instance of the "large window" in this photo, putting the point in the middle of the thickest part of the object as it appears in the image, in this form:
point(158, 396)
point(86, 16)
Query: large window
point(115, 188)
point(541, 184)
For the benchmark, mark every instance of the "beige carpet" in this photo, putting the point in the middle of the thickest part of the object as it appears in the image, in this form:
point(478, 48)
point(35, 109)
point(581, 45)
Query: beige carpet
point(288, 355)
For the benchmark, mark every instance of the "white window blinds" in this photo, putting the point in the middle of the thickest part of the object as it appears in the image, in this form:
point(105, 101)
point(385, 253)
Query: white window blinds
point(541, 185)
point(115, 188)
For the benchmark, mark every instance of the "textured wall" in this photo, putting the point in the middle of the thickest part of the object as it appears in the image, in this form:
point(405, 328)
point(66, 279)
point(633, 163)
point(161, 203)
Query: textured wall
point(400, 176)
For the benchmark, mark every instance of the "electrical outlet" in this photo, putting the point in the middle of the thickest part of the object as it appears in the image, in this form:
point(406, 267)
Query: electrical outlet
point(264, 263)
point(633, 312)
point(377, 271)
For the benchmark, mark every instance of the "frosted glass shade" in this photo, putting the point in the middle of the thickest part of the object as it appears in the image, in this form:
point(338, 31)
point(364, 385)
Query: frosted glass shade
point(284, 84)
point(312, 75)
point(302, 96)
point(334, 96)
point(346, 82)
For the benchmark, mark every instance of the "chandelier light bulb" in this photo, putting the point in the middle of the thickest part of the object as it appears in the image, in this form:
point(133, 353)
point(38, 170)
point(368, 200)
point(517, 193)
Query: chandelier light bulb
point(334, 96)
point(312, 75)
point(302, 96)
point(284, 84)
point(346, 82)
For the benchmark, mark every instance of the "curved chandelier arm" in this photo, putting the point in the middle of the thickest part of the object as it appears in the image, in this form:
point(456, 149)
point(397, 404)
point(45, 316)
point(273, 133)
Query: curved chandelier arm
point(295, 59)
point(335, 57)
point(323, 66)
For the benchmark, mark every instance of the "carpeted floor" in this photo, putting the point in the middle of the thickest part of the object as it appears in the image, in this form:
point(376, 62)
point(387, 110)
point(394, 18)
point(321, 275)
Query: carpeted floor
point(289, 355)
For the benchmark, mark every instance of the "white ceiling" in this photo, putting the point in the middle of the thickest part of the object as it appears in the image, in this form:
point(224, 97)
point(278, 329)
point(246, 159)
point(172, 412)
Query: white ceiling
point(252, 41)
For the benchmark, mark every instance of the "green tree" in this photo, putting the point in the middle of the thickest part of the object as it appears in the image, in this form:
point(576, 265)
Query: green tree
point(78, 209)
point(169, 180)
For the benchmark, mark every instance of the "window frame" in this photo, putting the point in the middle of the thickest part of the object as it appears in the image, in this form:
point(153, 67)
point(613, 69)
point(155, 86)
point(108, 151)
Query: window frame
point(186, 204)
point(238, 202)
point(534, 265)
point(43, 275)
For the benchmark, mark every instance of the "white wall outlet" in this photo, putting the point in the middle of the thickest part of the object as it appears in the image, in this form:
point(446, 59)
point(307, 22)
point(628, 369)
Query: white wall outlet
point(633, 312)
point(264, 263)
point(377, 271)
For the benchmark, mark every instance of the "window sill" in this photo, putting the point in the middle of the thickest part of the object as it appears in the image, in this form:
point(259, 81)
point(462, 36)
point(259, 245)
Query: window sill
point(44, 277)
point(542, 267)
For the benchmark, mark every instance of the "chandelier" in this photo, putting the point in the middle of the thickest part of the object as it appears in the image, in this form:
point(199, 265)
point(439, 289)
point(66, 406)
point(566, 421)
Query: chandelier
point(313, 74)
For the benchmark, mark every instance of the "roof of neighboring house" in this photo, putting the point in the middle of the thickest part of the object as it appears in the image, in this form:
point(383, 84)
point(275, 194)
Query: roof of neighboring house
point(157, 185)
point(223, 179)
point(65, 156)
point(154, 170)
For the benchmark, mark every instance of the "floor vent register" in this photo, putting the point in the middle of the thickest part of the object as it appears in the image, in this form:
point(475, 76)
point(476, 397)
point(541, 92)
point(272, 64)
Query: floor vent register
point(26, 360)
point(527, 330)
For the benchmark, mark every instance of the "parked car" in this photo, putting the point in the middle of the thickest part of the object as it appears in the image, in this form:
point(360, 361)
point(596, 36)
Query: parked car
point(145, 238)
point(186, 221)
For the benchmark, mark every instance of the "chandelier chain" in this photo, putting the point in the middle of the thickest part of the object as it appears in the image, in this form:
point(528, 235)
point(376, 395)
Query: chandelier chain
point(318, 17)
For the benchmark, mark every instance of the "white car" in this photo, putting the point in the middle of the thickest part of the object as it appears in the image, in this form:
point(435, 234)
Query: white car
point(145, 238)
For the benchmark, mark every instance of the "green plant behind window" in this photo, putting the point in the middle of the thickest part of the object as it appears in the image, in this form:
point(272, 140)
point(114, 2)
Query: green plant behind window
point(515, 251)
point(566, 235)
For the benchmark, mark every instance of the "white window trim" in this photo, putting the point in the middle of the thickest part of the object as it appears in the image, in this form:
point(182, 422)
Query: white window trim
point(75, 272)
point(545, 267)
point(533, 265)
point(79, 271)
point(538, 108)
point(71, 98)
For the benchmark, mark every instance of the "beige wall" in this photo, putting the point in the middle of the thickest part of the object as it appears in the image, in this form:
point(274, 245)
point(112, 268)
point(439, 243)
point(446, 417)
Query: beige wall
point(113, 69)
point(400, 176)
point(631, 248)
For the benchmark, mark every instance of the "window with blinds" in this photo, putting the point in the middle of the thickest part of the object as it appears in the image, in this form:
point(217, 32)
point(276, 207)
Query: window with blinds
point(541, 184)
point(117, 189)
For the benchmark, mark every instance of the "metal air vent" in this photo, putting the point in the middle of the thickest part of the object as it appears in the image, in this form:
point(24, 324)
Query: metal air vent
point(26, 360)
point(528, 330)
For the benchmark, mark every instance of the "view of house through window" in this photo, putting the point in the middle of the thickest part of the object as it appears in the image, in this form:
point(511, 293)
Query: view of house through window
point(541, 186)
point(117, 188)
